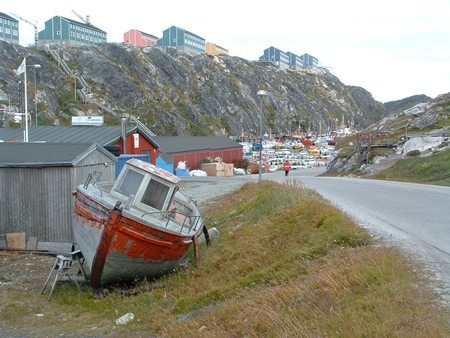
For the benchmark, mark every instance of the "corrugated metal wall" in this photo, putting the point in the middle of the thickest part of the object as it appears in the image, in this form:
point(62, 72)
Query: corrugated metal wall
point(193, 159)
point(39, 201)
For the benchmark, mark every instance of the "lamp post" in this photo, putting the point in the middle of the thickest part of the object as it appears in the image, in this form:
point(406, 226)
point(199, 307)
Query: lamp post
point(35, 91)
point(261, 94)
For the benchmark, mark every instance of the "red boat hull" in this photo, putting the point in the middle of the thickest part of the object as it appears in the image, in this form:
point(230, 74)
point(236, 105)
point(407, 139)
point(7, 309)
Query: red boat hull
point(120, 248)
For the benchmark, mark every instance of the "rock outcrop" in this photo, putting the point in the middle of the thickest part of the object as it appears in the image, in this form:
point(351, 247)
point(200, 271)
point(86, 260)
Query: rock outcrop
point(177, 93)
point(423, 128)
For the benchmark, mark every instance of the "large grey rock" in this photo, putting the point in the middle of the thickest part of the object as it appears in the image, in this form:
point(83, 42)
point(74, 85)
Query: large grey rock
point(421, 143)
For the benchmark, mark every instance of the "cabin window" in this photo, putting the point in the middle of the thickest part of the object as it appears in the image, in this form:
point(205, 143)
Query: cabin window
point(155, 195)
point(130, 183)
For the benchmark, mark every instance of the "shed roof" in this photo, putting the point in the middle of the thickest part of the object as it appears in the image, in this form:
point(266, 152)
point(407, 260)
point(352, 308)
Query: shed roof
point(104, 135)
point(26, 154)
point(182, 144)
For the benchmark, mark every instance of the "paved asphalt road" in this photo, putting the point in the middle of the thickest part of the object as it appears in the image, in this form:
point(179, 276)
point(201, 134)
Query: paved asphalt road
point(413, 217)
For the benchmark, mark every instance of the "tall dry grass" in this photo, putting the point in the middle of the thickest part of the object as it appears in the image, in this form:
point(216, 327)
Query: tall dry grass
point(287, 264)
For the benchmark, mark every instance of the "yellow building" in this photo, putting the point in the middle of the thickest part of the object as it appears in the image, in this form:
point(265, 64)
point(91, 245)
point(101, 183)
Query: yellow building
point(212, 48)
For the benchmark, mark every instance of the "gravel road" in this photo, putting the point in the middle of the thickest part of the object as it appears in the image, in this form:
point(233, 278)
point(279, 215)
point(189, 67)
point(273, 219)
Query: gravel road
point(206, 189)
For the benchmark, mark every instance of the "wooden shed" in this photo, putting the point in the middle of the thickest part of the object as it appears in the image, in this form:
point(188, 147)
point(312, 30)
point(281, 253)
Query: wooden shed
point(36, 184)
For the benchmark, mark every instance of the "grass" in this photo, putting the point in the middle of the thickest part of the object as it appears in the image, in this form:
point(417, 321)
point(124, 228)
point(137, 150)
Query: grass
point(432, 169)
point(286, 264)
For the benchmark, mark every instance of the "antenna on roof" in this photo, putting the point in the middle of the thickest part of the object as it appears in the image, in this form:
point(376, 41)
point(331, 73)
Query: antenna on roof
point(86, 20)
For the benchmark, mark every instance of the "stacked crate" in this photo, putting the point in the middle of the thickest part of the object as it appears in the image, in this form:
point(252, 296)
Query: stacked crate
point(218, 169)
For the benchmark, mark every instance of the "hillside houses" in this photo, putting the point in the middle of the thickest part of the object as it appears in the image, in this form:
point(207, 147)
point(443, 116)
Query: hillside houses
point(64, 31)
point(287, 60)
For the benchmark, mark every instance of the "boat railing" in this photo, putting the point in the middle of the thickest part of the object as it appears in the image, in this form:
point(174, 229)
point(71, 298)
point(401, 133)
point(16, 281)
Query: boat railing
point(94, 175)
point(185, 219)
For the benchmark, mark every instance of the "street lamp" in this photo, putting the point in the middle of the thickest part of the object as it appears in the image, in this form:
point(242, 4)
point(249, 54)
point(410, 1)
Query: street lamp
point(261, 94)
point(35, 91)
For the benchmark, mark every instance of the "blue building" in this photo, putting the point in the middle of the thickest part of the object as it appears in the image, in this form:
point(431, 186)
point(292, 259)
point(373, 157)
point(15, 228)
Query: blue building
point(182, 40)
point(70, 32)
point(309, 61)
point(295, 61)
point(9, 28)
point(272, 54)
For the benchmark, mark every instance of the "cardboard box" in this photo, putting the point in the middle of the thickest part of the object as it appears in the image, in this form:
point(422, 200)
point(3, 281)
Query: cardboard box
point(229, 169)
point(213, 169)
point(218, 169)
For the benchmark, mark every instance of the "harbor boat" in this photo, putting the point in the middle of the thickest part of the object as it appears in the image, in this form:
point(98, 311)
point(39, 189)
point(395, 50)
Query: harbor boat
point(320, 142)
point(297, 145)
point(140, 226)
point(306, 142)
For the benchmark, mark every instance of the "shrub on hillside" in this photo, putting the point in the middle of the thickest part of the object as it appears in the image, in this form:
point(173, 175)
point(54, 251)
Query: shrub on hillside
point(413, 153)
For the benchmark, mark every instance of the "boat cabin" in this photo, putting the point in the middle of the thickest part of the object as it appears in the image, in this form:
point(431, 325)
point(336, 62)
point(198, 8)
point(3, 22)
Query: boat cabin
point(145, 187)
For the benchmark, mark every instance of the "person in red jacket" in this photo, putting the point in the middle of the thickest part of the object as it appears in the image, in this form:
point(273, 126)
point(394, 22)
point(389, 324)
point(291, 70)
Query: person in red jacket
point(286, 167)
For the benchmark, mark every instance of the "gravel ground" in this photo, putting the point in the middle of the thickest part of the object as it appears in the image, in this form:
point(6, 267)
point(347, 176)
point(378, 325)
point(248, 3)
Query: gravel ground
point(206, 189)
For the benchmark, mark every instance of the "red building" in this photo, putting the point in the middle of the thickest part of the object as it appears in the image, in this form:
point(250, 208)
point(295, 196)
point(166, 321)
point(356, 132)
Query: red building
point(138, 38)
point(193, 149)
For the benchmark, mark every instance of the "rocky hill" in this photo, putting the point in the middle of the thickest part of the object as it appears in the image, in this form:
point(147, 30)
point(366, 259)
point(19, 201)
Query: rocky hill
point(423, 129)
point(401, 105)
point(177, 93)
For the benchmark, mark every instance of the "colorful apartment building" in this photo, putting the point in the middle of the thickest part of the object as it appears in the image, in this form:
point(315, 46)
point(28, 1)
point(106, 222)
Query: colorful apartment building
point(9, 28)
point(181, 39)
point(283, 60)
point(295, 61)
point(310, 61)
point(276, 57)
point(212, 48)
point(70, 33)
point(139, 38)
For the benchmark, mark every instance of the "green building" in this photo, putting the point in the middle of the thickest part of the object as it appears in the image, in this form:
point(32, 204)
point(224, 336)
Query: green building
point(9, 28)
point(70, 32)
point(182, 40)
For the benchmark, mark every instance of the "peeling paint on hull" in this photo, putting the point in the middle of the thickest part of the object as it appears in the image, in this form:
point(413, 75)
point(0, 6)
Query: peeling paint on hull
point(119, 247)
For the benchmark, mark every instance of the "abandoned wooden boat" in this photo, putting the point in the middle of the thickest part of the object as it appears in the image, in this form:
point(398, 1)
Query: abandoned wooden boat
point(139, 226)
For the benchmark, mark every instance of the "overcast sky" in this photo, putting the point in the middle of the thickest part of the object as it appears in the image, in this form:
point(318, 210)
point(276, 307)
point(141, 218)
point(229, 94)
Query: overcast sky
point(392, 48)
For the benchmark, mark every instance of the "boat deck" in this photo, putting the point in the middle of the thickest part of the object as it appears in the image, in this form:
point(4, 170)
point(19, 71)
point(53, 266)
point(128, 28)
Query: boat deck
point(179, 221)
